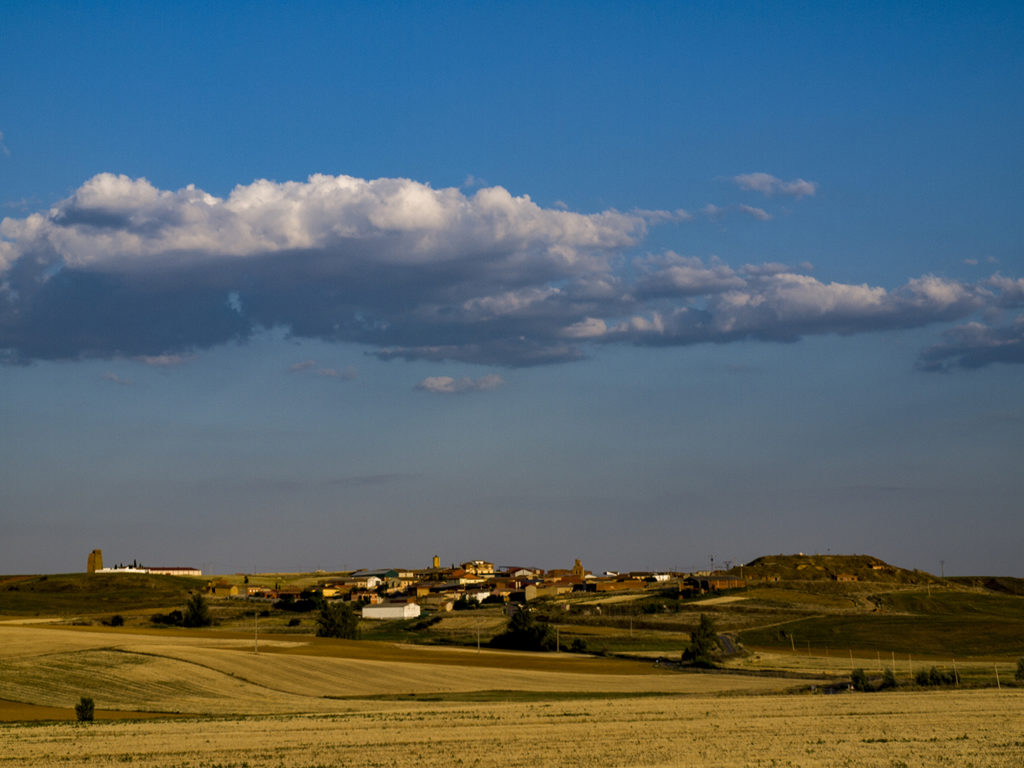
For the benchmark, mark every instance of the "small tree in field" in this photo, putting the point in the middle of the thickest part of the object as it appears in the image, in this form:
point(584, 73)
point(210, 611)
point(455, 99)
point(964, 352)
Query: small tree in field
point(525, 633)
point(85, 710)
point(197, 612)
point(337, 620)
point(888, 679)
point(859, 680)
point(703, 644)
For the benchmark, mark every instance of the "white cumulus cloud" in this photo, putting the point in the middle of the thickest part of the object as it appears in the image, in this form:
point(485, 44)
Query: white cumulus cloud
point(123, 269)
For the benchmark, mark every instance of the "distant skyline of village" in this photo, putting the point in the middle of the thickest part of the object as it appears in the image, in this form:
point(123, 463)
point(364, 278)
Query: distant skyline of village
point(474, 570)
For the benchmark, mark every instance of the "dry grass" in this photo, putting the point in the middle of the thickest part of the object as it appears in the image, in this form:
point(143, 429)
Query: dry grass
point(978, 729)
point(214, 674)
point(276, 709)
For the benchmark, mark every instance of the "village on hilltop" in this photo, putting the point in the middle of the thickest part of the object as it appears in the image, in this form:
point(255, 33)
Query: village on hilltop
point(398, 593)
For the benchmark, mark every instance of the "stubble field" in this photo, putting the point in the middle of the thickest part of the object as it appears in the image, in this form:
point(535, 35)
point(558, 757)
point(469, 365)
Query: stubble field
point(302, 703)
point(959, 729)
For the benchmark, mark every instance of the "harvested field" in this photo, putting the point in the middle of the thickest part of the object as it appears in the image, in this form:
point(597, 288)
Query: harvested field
point(976, 728)
point(213, 674)
point(306, 702)
point(15, 712)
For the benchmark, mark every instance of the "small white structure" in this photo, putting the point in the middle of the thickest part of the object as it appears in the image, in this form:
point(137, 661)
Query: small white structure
point(123, 569)
point(391, 611)
point(177, 570)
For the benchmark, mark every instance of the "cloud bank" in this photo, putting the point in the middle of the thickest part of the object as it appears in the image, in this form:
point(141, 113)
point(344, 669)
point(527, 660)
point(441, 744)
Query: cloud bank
point(124, 269)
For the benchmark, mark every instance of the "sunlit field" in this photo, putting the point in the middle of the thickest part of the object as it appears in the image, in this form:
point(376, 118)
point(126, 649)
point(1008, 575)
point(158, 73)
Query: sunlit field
point(210, 673)
point(301, 702)
point(896, 729)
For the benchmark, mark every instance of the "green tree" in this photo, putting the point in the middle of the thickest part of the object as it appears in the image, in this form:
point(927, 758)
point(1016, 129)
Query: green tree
point(337, 620)
point(525, 633)
point(703, 645)
point(197, 612)
point(85, 709)
point(888, 679)
point(859, 680)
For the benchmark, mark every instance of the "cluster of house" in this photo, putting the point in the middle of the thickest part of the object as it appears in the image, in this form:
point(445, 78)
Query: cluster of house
point(400, 593)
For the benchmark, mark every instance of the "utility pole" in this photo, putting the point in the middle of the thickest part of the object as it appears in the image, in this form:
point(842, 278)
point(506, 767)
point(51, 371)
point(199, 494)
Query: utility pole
point(256, 630)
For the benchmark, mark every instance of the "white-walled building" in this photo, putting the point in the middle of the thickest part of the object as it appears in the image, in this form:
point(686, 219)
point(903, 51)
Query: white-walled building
point(391, 611)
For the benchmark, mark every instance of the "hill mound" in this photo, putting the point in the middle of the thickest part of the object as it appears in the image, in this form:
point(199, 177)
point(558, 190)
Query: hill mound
point(828, 568)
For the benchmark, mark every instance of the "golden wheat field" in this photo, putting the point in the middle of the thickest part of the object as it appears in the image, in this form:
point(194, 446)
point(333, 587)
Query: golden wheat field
point(302, 703)
point(960, 729)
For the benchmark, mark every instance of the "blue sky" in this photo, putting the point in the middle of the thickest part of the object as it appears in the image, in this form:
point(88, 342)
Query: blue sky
point(350, 285)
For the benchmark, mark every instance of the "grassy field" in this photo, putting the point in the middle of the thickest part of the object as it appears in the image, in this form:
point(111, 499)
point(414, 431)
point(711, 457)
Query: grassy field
point(936, 624)
point(75, 594)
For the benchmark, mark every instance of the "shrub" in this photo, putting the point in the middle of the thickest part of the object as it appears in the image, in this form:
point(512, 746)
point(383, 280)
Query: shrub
point(296, 606)
point(117, 620)
point(465, 603)
point(888, 679)
point(1019, 674)
point(934, 677)
point(859, 680)
point(294, 622)
point(174, 618)
point(85, 710)
point(578, 645)
point(525, 633)
point(197, 613)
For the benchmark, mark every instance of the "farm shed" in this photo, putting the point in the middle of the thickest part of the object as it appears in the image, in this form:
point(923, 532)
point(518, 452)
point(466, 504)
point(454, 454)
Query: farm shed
point(391, 611)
